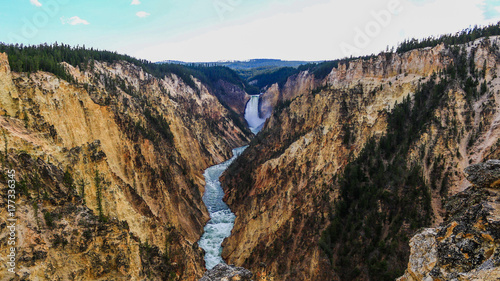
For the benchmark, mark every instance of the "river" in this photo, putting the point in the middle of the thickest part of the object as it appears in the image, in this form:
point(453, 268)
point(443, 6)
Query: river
point(221, 218)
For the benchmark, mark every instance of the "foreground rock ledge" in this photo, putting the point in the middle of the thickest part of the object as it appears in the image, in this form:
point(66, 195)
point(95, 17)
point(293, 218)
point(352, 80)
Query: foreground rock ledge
point(224, 272)
point(467, 245)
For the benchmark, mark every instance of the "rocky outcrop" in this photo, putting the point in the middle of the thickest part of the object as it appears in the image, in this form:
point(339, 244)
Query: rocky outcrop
point(296, 85)
point(224, 272)
point(485, 174)
point(124, 147)
point(232, 95)
point(466, 245)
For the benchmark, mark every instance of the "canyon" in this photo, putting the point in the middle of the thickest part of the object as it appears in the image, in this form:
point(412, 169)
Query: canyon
point(117, 170)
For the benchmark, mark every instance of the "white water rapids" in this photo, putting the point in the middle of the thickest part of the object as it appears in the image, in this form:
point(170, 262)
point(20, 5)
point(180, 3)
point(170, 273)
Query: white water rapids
point(221, 218)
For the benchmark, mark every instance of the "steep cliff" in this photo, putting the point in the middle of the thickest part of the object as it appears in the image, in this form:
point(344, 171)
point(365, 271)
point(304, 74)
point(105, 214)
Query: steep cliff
point(109, 170)
point(349, 166)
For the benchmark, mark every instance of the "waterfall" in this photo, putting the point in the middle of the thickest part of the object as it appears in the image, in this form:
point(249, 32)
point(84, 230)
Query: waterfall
point(252, 114)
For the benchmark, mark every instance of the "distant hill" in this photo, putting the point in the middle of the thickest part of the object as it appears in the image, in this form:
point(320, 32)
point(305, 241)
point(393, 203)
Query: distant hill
point(262, 63)
point(248, 68)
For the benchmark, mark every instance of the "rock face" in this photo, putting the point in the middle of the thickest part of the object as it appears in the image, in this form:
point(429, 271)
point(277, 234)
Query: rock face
point(465, 246)
point(285, 187)
point(224, 272)
point(423, 256)
point(485, 174)
point(109, 171)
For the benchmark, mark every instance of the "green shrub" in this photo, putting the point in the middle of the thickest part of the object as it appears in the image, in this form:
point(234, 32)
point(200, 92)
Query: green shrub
point(49, 220)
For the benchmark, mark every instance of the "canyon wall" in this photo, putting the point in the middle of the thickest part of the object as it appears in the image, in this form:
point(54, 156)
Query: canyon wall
point(302, 216)
point(109, 171)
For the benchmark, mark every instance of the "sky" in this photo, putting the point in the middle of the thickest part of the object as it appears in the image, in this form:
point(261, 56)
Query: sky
point(214, 30)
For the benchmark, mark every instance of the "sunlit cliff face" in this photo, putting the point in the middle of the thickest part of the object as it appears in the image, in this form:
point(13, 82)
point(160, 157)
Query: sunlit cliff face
point(147, 204)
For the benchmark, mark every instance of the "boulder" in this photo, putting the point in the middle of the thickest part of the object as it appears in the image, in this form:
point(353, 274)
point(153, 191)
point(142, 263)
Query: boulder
point(224, 272)
point(485, 174)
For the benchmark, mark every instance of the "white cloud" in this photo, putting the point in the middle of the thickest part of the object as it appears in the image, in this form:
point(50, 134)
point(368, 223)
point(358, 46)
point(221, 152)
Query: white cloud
point(142, 14)
point(36, 3)
point(135, 2)
point(317, 35)
point(74, 21)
